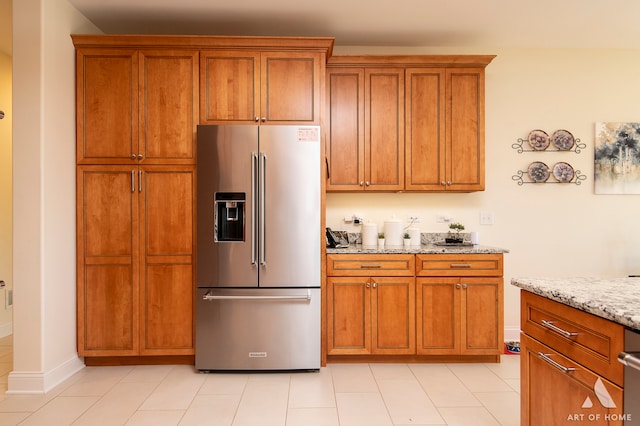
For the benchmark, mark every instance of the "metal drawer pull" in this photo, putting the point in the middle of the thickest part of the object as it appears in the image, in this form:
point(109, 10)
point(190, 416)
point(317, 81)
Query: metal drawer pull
point(208, 297)
point(370, 265)
point(565, 333)
point(461, 265)
point(545, 357)
point(631, 359)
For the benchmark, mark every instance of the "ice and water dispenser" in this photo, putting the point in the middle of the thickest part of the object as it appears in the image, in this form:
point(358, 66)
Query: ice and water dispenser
point(229, 216)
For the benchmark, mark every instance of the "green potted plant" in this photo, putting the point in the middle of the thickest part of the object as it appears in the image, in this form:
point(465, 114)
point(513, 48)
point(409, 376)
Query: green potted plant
point(454, 238)
point(406, 239)
point(381, 240)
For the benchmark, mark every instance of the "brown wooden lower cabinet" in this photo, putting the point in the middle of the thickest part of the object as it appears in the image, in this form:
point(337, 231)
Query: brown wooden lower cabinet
point(569, 368)
point(436, 315)
point(556, 390)
point(371, 315)
point(459, 316)
point(135, 260)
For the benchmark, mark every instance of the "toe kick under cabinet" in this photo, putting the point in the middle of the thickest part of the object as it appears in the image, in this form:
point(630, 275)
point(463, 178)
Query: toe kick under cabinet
point(414, 307)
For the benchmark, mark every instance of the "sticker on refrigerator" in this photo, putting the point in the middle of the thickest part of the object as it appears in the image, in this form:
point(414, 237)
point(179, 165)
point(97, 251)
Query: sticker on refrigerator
point(257, 354)
point(308, 134)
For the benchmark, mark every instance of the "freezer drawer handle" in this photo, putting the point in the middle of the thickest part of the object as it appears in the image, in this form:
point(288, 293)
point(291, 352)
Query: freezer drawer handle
point(630, 359)
point(461, 265)
point(565, 333)
point(545, 357)
point(208, 297)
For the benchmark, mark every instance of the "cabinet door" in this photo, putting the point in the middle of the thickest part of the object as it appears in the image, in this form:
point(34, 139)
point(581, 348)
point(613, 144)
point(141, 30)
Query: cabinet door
point(107, 253)
point(425, 129)
point(290, 90)
point(438, 316)
point(481, 321)
point(167, 199)
point(465, 129)
point(348, 315)
point(384, 129)
point(393, 320)
point(229, 87)
point(345, 135)
point(106, 106)
point(553, 396)
point(168, 106)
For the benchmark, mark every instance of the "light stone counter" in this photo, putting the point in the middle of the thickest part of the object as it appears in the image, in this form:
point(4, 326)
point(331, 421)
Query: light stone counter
point(422, 249)
point(615, 299)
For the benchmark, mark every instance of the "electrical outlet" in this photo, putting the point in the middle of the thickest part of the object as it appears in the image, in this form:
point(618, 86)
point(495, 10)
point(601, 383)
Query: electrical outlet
point(486, 218)
point(443, 218)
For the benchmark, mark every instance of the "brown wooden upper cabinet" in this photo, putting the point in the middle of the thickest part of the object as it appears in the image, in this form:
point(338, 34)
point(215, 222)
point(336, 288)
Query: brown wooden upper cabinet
point(366, 129)
point(261, 87)
point(136, 106)
point(405, 123)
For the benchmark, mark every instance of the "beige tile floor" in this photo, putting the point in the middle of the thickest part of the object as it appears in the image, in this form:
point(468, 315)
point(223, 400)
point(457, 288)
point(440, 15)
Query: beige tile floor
point(340, 394)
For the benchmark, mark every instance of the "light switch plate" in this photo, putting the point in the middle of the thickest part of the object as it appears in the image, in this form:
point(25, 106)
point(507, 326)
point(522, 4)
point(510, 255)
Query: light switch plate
point(486, 218)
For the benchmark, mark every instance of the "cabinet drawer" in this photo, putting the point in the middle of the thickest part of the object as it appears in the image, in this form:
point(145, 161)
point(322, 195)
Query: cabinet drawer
point(588, 339)
point(555, 389)
point(370, 265)
point(459, 265)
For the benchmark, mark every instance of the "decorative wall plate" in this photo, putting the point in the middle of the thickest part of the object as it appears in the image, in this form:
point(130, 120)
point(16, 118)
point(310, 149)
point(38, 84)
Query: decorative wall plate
point(539, 140)
point(563, 172)
point(563, 140)
point(538, 171)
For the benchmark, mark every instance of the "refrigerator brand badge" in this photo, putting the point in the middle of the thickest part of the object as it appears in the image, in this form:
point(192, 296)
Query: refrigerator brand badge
point(309, 134)
point(257, 354)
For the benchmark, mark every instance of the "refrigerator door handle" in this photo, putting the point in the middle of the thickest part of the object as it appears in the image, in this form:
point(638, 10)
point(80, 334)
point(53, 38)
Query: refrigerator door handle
point(209, 296)
point(263, 184)
point(254, 207)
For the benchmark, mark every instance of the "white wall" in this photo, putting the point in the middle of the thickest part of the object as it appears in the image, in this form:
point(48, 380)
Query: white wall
point(44, 188)
point(6, 238)
point(550, 229)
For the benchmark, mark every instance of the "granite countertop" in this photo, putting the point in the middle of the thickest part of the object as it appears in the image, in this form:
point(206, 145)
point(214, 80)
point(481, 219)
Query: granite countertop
point(421, 249)
point(615, 299)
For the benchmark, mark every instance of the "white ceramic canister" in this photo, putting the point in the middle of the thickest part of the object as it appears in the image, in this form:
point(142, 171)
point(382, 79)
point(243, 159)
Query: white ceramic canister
point(414, 234)
point(393, 232)
point(475, 238)
point(369, 234)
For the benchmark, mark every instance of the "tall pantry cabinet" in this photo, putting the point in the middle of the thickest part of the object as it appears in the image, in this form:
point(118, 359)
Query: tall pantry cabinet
point(139, 100)
point(137, 112)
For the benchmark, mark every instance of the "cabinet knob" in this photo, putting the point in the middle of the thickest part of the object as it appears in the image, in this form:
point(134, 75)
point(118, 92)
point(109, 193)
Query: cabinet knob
point(133, 156)
point(139, 156)
point(464, 286)
point(257, 118)
point(367, 183)
point(361, 183)
point(449, 182)
point(263, 119)
point(457, 285)
point(443, 183)
point(368, 285)
point(375, 285)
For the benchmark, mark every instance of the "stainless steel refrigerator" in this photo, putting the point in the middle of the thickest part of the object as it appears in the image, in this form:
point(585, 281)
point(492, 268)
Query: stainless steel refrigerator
point(258, 248)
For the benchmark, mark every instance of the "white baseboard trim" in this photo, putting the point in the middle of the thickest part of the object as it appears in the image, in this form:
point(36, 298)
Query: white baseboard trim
point(511, 333)
point(38, 383)
point(6, 329)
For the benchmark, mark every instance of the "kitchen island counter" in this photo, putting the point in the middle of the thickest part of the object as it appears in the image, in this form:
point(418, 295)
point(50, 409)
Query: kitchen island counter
point(422, 249)
point(615, 299)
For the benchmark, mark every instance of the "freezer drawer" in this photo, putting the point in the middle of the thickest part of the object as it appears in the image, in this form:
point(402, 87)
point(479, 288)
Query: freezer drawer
point(258, 329)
